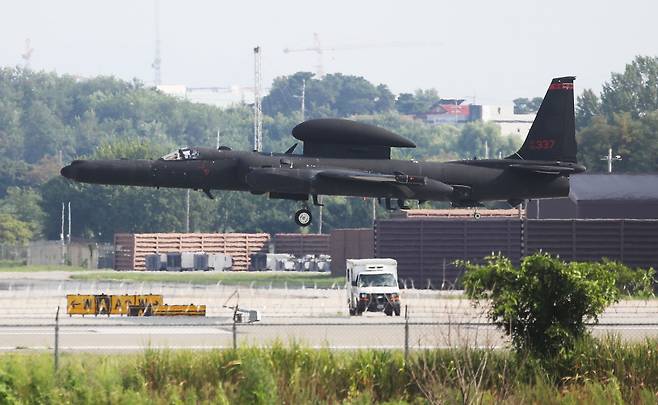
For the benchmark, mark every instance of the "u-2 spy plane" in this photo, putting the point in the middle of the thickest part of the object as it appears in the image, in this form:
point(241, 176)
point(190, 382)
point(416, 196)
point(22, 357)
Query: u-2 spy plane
point(348, 158)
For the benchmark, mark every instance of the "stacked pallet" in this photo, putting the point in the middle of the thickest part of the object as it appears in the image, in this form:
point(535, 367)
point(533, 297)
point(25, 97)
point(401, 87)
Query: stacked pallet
point(131, 249)
point(300, 244)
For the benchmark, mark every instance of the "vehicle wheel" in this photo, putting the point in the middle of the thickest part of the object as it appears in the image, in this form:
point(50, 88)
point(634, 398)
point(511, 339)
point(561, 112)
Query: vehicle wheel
point(303, 217)
point(352, 312)
point(397, 311)
point(388, 311)
point(476, 215)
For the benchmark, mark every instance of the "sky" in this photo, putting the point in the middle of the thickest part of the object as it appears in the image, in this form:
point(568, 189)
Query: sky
point(490, 51)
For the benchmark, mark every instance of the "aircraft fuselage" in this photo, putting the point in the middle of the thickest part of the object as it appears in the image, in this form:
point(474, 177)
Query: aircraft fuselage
point(484, 180)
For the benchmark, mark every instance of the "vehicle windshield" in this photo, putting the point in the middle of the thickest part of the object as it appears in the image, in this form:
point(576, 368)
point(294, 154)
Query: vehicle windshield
point(182, 154)
point(377, 280)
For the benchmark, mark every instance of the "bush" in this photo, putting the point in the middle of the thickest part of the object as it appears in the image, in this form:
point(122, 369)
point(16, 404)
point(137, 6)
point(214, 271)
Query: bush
point(545, 303)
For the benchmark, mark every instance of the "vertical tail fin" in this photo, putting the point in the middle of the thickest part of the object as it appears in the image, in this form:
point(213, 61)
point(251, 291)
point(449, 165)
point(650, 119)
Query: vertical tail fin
point(552, 136)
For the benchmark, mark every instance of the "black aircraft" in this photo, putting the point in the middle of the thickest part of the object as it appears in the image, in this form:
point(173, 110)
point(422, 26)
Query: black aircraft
point(342, 157)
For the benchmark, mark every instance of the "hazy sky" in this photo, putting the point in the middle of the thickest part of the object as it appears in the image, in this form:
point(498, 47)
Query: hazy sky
point(494, 50)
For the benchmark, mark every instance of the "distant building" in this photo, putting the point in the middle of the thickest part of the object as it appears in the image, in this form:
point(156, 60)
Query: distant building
point(449, 111)
point(222, 97)
point(454, 111)
point(510, 123)
point(599, 196)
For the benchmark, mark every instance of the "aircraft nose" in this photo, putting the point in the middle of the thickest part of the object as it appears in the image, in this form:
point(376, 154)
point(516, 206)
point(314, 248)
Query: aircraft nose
point(70, 171)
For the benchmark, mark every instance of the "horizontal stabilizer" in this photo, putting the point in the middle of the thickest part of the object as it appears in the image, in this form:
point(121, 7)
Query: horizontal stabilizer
point(544, 169)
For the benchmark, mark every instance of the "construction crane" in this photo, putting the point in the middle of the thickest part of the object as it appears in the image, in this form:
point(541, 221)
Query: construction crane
point(157, 60)
point(318, 48)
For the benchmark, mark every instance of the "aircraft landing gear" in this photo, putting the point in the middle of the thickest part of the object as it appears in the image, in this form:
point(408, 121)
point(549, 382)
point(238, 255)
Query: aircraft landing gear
point(303, 217)
point(476, 214)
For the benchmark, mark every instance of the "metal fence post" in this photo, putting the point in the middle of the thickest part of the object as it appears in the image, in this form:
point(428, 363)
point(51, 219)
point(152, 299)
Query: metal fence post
point(235, 328)
point(406, 334)
point(57, 340)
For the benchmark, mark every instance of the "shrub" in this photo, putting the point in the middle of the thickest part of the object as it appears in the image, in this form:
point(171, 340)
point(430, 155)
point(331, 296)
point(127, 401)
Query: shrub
point(545, 303)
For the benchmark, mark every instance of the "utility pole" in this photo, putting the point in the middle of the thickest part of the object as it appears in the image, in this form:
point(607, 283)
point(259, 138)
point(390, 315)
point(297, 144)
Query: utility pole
point(486, 150)
point(61, 237)
point(320, 216)
point(157, 60)
point(258, 112)
point(610, 159)
point(187, 212)
point(217, 138)
point(69, 233)
point(303, 98)
point(374, 212)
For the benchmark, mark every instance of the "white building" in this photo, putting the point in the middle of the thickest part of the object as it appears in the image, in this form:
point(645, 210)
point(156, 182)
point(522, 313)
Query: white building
point(510, 123)
point(222, 97)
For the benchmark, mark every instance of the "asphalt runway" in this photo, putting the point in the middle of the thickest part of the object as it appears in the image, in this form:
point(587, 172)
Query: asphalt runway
point(345, 335)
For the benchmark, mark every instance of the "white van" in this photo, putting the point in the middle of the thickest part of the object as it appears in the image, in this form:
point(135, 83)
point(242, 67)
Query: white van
point(372, 285)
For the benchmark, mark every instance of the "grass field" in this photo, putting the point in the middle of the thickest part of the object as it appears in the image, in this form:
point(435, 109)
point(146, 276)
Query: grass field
point(607, 372)
point(13, 266)
point(256, 279)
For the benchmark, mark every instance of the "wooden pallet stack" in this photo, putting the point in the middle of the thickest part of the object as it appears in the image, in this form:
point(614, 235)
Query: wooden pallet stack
point(131, 249)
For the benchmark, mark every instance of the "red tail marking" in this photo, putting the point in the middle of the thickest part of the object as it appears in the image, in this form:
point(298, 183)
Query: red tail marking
point(561, 86)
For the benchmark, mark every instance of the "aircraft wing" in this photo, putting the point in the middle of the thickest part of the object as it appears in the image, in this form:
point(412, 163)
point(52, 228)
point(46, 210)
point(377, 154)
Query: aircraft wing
point(355, 175)
point(409, 185)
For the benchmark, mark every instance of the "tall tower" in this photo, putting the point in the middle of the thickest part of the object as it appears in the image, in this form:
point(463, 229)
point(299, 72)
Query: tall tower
point(258, 112)
point(157, 60)
point(27, 55)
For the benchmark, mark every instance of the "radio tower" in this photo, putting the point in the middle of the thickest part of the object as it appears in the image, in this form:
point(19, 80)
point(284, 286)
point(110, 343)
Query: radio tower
point(258, 112)
point(157, 61)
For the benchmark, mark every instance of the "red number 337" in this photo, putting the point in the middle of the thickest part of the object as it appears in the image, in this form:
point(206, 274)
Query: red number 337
point(542, 144)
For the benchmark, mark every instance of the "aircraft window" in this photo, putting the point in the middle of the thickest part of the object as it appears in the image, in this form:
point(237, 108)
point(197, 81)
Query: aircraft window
point(182, 154)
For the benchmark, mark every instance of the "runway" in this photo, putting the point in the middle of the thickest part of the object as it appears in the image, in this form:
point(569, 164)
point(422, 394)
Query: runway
point(337, 335)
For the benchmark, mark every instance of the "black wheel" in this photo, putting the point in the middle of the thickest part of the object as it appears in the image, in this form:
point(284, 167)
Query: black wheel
point(388, 310)
point(352, 312)
point(303, 217)
point(396, 309)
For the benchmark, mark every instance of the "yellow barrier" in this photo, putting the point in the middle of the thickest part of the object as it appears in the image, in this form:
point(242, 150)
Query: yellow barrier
point(179, 310)
point(80, 304)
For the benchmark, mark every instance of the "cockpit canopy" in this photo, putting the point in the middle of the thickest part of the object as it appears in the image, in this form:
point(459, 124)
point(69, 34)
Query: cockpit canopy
point(182, 154)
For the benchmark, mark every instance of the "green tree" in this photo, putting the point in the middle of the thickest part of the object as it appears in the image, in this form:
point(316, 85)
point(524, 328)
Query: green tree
point(419, 102)
point(13, 230)
point(332, 95)
point(544, 304)
point(588, 106)
point(527, 105)
point(23, 204)
point(634, 91)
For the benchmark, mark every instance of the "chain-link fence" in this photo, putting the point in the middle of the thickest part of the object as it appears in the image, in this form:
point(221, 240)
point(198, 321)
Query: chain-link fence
point(311, 317)
point(13, 253)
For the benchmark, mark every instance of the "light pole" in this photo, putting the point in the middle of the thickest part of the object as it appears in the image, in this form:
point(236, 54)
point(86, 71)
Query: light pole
point(609, 158)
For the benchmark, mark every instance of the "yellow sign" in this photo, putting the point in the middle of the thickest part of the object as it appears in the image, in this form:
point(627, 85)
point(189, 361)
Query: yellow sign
point(150, 299)
point(120, 304)
point(80, 305)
